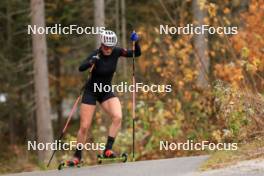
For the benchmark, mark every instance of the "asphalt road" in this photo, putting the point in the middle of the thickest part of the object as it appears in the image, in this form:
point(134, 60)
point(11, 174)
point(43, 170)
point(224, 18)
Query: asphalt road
point(185, 166)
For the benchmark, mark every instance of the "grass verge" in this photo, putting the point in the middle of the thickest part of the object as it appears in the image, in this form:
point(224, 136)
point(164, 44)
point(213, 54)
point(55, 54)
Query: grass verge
point(250, 150)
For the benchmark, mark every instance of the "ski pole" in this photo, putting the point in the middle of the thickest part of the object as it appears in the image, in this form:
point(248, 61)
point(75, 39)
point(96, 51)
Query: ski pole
point(92, 68)
point(67, 124)
point(69, 117)
point(133, 101)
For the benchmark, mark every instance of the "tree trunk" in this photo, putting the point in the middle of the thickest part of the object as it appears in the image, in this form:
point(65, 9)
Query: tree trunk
point(123, 30)
point(9, 45)
point(201, 46)
point(99, 18)
point(57, 63)
point(44, 125)
point(124, 61)
point(117, 18)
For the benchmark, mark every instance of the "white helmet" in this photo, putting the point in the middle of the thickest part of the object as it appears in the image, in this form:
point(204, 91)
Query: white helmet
point(108, 38)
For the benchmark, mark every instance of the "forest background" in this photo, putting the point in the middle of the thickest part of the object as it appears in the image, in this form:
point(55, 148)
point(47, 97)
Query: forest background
point(217, 80)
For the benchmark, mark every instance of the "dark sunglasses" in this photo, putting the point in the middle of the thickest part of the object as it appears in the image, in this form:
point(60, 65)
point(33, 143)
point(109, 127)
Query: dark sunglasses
point(107, 47)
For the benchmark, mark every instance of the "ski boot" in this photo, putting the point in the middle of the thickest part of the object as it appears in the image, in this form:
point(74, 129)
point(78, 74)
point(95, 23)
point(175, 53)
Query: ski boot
point(70, 163)
point(109, 154)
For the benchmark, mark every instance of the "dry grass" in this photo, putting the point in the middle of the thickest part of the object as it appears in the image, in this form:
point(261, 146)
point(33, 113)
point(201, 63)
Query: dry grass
point(246, 151)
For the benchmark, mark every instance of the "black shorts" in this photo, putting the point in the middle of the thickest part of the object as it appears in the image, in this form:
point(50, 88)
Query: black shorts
point(91, 97)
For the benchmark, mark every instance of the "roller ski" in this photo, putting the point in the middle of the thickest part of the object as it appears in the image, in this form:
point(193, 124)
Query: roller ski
point(70, 164)
point(109, 156)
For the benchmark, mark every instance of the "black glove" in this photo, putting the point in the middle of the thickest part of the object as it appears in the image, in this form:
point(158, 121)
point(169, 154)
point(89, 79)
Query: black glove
point(93, 60)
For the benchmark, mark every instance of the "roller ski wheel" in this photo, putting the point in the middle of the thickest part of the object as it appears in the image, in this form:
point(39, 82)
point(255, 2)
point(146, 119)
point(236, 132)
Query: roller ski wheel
point(70, 164)
point(111, 157)
point(124, 156)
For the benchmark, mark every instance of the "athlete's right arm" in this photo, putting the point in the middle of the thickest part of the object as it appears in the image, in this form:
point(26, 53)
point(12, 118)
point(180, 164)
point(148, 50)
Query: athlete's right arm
point(88, 62)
